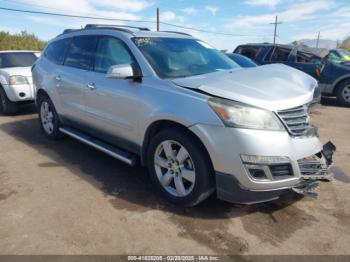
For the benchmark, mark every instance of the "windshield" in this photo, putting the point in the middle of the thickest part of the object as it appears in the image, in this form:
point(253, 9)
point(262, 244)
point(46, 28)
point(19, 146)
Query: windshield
point(179, 57)
point(17, 59)
point(344, 54)
point(242, 61)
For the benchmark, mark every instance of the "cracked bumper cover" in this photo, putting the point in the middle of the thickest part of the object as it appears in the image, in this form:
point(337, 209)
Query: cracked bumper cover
point(229, 188)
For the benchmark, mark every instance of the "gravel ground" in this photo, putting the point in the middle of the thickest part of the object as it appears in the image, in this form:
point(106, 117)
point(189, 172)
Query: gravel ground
point(67, 198)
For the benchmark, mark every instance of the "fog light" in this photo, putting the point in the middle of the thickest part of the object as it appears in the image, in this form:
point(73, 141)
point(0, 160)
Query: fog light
point(267, 167)
point(257, 173)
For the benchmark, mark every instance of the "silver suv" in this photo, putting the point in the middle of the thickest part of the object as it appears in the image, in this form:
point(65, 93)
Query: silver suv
point(197, 120)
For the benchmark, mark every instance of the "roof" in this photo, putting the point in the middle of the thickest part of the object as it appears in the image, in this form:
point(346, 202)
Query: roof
point(321, 52)
point(19, 51)
point(128, 30)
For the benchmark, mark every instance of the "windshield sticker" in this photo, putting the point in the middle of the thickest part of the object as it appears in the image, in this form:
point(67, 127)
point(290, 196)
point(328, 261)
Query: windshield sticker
point(142, 41)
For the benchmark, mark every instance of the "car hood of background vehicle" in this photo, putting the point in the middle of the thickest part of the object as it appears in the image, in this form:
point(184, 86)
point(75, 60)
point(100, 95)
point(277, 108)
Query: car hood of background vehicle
point(18, 71)
point(272, 87)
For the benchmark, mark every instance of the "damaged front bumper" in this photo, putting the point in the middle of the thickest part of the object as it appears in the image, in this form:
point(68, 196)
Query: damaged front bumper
point(312, 170)
point(315, 168)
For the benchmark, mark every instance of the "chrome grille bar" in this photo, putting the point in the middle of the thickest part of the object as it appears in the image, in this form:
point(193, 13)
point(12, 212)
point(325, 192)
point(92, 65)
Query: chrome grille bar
point(296, 120)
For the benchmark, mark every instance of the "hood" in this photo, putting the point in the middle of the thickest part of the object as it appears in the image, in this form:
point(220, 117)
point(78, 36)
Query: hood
point(23, 71)
point(272, 87)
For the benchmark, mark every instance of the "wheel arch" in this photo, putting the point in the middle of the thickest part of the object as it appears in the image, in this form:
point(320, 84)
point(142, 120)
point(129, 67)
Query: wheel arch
point(338, 83)
point(41, 92)
point(160, 125)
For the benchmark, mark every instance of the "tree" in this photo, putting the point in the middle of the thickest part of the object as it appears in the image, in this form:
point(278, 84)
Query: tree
point(21, 41)
point(345, 44)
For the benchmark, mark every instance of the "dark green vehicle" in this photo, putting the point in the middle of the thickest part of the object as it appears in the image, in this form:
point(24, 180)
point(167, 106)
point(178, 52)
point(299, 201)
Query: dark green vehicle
point(334, 78)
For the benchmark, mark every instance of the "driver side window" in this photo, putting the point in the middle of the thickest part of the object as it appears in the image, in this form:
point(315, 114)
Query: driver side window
point(111, 51)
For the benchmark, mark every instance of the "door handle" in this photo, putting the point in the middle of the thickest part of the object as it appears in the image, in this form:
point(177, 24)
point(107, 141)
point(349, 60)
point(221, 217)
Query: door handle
point(58, 78)
point(91, 86)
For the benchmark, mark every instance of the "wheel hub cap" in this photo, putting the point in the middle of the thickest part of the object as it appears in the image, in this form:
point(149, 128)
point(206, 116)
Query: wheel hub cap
point(47, 118)
point(174, 168)
point(346, 93)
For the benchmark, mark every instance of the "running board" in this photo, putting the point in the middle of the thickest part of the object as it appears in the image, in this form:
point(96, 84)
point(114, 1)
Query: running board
point(115, 152)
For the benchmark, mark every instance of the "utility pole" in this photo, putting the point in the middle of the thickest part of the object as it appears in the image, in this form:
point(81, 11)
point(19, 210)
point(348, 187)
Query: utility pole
point(275, 33)
point(157, 19)
point(318, 39)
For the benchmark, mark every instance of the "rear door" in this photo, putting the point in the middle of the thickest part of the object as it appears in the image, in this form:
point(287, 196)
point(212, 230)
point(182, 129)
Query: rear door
point(71, 77)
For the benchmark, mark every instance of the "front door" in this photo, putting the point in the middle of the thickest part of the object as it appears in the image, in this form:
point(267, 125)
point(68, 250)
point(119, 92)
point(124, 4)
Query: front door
point(112, 105)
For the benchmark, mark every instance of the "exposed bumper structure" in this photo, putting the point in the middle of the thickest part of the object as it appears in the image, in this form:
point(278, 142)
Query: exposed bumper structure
point(256, 166)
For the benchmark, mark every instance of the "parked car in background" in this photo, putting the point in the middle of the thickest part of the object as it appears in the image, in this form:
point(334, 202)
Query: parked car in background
point(302, 58)
point(334, 78)
point(339, 55)
point(241, 60)
point(198, 121)
point(16, 79)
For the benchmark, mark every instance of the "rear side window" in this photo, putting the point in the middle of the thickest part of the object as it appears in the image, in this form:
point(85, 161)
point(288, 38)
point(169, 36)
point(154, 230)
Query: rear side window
point(249, 51)
point(80, 52)
point(111, 51)
point(56, 50)
point(280, 54)
point(306, 58)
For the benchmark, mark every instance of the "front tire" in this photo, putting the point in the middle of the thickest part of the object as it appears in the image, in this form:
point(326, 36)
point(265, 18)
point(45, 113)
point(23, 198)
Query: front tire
point(343, 93)
point(180, 167)
point(7, 107)
point(49, 120)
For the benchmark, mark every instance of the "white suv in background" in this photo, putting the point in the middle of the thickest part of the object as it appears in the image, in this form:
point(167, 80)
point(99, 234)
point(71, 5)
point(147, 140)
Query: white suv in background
point(16, 85)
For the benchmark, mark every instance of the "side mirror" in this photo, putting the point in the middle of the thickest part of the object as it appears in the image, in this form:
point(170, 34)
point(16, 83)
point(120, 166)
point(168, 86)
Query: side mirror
point(120, 72)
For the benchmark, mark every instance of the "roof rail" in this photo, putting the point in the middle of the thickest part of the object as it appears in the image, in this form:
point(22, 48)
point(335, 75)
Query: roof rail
point(89, 26)
point(65, 31)
point(175, 32)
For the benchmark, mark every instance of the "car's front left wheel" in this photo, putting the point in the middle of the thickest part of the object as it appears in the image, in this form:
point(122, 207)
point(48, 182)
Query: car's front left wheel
point(180, 167)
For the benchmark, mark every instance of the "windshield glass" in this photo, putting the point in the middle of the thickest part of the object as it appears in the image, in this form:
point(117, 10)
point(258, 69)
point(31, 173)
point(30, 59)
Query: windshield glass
point(179, 57)
point(242, 61)
point(17, 59)
point(344, 54)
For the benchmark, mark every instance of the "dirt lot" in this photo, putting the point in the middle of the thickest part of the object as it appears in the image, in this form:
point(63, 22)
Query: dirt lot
point(67, 198)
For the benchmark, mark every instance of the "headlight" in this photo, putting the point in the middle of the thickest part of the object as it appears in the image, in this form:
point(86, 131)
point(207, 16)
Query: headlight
point(18, 80)
point(235, 114)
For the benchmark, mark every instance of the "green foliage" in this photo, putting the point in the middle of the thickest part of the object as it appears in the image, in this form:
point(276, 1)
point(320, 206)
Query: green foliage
point(345, 44)
point(22, 41)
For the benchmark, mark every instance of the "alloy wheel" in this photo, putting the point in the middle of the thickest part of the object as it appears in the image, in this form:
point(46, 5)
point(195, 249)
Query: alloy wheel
point(346, 93)
point(174, 168)
point(47, 117)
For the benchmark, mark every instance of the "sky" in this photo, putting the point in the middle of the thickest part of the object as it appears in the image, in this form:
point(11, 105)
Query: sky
point(246, 21)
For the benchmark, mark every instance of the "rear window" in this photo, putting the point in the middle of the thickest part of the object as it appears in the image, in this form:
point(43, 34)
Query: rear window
point(306, 58)
point(56, 50)
point(18, 59)
point(80, 52)
point(280, 54)
point(249, 51)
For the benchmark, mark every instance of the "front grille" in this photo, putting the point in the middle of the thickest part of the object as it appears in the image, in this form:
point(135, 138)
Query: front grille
point(296, 120)
point(313, 167)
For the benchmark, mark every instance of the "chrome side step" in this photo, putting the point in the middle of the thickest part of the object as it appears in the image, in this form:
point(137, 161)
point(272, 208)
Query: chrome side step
point(115, 152)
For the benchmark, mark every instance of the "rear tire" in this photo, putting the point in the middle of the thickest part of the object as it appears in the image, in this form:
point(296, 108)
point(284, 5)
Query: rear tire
point(343, 93)
point(48, 117)
point(7, 107)
point(180, 167)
